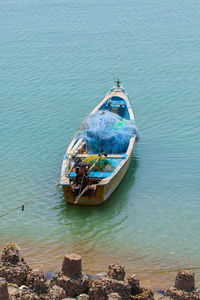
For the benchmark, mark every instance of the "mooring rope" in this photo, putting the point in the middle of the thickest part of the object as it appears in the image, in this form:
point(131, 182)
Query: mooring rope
point(29, 201)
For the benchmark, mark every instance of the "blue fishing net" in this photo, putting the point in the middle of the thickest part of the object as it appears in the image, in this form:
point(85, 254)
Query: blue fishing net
point(107, 132)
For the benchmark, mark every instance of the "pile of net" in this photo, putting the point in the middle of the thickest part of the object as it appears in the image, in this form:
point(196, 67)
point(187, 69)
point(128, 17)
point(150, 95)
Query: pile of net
point(103, 165)
point(107, 132)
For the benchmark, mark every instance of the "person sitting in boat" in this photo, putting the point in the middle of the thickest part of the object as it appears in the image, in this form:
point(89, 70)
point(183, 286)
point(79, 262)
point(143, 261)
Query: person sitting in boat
point(81, 178)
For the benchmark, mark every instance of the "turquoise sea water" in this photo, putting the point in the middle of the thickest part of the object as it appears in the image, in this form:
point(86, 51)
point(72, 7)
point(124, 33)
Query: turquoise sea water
point(57, 60)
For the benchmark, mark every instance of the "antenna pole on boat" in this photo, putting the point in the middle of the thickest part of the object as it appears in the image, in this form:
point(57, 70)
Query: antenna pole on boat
point(118, 82)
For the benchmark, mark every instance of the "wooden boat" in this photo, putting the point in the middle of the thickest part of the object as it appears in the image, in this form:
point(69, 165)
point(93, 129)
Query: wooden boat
point(89, 186)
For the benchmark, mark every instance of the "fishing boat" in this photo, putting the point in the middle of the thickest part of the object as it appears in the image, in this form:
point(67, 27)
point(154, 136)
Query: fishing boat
point(93, 165)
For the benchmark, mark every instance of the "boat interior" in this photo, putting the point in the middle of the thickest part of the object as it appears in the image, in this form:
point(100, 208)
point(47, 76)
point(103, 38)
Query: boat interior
point(116, 105)
point(98, 174)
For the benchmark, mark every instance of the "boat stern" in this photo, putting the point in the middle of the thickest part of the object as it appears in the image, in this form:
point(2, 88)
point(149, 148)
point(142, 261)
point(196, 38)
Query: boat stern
point(89, 198)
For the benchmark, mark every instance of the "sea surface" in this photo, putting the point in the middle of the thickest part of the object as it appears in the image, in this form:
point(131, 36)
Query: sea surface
point(58, 59)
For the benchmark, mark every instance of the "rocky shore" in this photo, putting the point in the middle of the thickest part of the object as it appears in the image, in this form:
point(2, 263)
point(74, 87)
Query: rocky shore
point(19, 281)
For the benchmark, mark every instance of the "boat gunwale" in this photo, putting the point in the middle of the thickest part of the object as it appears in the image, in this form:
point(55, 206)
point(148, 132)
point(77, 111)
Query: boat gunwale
point(105, 181)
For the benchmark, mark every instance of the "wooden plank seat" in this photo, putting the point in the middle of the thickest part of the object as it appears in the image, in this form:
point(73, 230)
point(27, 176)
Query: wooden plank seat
point(93, 174)
point(121, 156)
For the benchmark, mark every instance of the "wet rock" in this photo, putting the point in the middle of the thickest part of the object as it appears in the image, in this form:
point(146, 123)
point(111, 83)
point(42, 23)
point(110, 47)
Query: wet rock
point(97, 290)
point(83, 297)
point(14, 293)
point(176, 294)
point(3, 289)
point(11, 253)
point(72, 265)
point(144, 295)
point(185, 281)
point(134, 282)
point(121, 287)
point(115, 271)
point(29, 295)
point(100, 289)
point(14, 273)
point(57, 293)
point(73, 286)
point(37, 282)
point(23, 293)
point(114, 296)
point(11, 268)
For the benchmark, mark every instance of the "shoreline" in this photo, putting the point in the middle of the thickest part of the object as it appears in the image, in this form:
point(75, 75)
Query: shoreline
point(151, 276)
point(19, 281)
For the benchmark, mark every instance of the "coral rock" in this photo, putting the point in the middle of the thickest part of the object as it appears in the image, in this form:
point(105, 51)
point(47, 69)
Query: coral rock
point(144, 295)
point(83, 297)
point(57, 293)
point(134, 282)
point(115, 271)
point(185, 281)
point(22, 293)
point(3, 289)
point(37, 282)
point(176, 294)
point(72, 286)
point(114, 296)
point(100, 289)
point(97, 291)
point(72, 265)
point(28, 295)
point(11, 253)
point(121, 287)
point(14, 293)
point(14, 273)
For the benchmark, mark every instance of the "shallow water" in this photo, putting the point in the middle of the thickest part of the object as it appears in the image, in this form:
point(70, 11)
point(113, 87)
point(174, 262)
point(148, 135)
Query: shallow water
point(57, 60)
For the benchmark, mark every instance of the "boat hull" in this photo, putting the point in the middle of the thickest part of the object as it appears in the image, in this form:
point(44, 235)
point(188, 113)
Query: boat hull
point(103, 191)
